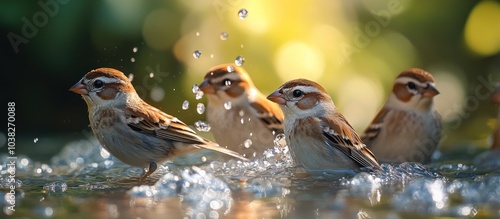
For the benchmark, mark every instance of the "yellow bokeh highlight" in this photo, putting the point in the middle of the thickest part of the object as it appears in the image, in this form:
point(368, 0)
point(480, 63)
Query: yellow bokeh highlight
point(482, 30)
point(296, 59)
point(359, 98)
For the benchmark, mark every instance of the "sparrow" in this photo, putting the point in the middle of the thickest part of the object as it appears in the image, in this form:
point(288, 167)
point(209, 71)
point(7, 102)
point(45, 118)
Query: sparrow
point(240, 116)
point(495, 99)
point(317, 134)
point(408, 127)
point(133, 131)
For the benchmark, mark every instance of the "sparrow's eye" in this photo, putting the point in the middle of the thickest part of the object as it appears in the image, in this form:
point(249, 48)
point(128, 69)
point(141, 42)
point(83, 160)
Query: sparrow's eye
point(412, 85)
point(297, 93)
point(226, 82)
point(98, 84)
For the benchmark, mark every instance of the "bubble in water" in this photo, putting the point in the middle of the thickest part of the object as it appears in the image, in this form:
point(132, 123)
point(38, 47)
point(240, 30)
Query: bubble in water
point(200, 108)
point(239, 60)
point(57, 186)
point(197, 54)
point(247, 143)
point(35, 140)
point(199, 95)
point(243, 13)
point(202, 126)
point(134, 49)
point(185, 105)
point(132, 59)
point(227, 105)
point(224, 36)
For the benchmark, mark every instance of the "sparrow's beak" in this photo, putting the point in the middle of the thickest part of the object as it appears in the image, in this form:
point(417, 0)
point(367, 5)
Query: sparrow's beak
point(495, 97)
point(79, 88)
point(430, 91)
point(206, 87)
point(277, 97)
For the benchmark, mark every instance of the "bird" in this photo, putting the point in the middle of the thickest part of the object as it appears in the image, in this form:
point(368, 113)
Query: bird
point(318, 136)
point(133, 131)
point(408, 127)
point(240, 116)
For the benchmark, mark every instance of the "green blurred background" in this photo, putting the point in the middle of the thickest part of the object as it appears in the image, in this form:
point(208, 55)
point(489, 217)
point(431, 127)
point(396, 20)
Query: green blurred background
point(353, 48)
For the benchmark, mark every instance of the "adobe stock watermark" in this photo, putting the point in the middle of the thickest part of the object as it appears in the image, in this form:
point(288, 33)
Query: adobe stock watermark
point(223, 7)
point(150, 80)
point(31, 25)
point(364, 35)
point(483, 90)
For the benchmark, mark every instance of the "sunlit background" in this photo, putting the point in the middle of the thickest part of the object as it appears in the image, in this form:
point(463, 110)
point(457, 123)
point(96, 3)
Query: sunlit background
point(354, 49)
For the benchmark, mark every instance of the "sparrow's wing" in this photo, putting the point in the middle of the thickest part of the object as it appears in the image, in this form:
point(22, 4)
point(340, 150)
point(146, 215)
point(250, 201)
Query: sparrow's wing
point(269, 113)
point(151, 121)
point(375, 126)
point(340, 134)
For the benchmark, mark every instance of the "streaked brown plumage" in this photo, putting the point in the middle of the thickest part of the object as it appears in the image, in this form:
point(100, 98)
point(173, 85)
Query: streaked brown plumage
point(318, 135)
point(133, 131)
point(408, 127)
point(251, 116)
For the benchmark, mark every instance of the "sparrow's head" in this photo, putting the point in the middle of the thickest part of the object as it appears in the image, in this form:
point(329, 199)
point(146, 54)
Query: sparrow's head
point(104, 87)
point(227, 82)
point(302, 98)
point(413, 89)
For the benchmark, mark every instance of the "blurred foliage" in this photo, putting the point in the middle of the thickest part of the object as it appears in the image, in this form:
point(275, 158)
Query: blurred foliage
point(353, 48)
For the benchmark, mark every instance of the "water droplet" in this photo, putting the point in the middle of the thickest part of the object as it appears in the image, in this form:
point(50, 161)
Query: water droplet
point(202, 126)
point(247, 143)
point(200, 108)
point(152, 75)
point(224, 36)
point(243, 13)
point(211, 56)
point(227, 105)
point(197, 34)
point(230, 68)
point(134, 49)
point(203, 159)
point(242, 121)
point(195, 89)
point(132, 59)
point(241, 113)
point(131, 77)
point(239, 60)
point(197, 54)
point(35, 140)
point(199, 95)
point(279, 141)
point(185, 105)
point(157, 94)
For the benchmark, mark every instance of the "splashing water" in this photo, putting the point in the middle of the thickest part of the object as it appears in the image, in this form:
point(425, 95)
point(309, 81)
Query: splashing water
point(198, 95)
point(239, 60)
point(200, 108)
point(242, 14)
point(197, 54)
point(224, 36)
point(185, 105)
point(132, 59)
point(35, 140)
point(202, 126)
point(135, 49)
